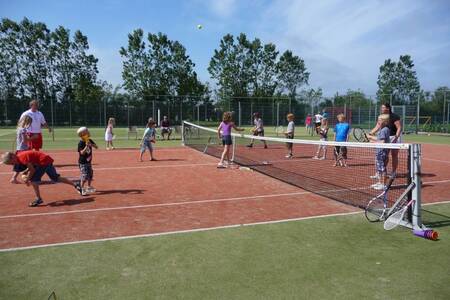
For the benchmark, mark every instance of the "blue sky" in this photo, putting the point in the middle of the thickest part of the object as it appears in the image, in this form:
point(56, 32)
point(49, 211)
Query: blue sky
point(343, 42)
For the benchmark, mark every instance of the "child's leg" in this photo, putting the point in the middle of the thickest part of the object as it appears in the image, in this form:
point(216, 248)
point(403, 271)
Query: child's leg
point(224, 153)
point(151, 154)
point(141, 155)
point(14, 177)
point(66, 181)
point(37, 192)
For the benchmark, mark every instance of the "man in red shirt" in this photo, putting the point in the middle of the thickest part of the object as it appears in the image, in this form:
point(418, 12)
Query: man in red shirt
point(34, 165)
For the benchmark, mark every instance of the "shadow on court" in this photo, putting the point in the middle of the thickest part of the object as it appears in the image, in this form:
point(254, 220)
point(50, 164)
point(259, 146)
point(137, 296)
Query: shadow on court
point(434, 220)
point(71, 202)
point(109, 192)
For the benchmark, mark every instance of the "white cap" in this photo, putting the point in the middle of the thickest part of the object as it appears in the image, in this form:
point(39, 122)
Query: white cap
point(81, 129)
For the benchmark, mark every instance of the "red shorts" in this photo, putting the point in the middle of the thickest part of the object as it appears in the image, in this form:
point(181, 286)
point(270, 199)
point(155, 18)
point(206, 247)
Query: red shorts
point(35, 144)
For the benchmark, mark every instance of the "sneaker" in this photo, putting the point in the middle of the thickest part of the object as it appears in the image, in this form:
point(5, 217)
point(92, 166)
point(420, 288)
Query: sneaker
point(36, 202)
point(90, 189)
point(84, 192)
point(315, 157)
point(289, 156)
point(220, 166)
point(375, 176)
point(322, 158)
point(377, 186)
point(250, 145)
point(265, 146)
point(78, 188)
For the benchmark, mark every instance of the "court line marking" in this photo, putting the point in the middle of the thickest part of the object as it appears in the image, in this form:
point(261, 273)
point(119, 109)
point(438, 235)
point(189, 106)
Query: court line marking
point(179, 231)
point(191, 230)
point(187, 202)
point(157, 205)
point(436, 160)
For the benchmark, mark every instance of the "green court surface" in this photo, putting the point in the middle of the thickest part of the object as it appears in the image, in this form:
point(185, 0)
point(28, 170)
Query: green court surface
point(342, 257)
point(66, 138)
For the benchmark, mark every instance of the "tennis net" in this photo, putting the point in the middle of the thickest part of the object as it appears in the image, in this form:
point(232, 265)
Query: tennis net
point(353, 184)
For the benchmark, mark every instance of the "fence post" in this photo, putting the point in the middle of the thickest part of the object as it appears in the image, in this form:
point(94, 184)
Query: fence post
point(153, 109)
point(418, 114)
point(278, 116)
point(53, 118)
point(128, 114)
point(443, 110)
point(104, 111)
point(198, 114)
point(239, 113)
point(359, 115)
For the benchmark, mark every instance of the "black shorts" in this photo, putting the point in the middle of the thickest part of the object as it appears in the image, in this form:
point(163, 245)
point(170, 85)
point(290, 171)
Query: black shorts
point(318, 124)
point(41, 170)
point(258, 133)
point(226, 140)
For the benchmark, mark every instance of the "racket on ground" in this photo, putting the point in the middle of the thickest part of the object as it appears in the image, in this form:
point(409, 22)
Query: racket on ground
point(360, 135)
point(339, 157)
point(377, 208)
point(395, 219)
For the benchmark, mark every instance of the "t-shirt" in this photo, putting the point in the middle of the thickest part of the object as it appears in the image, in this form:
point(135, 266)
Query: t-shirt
point(20, 139)
point(308, 120)
point(258, 124)
point(226, 128)
point(383, 135)
point(341, 130)
point(392, 119)
point(325, 115)
point(291, 127)
point(87, 156)
point(165, 123)
point(38, 121)
point(34, 157)
point(149, 134)
point(318, 118)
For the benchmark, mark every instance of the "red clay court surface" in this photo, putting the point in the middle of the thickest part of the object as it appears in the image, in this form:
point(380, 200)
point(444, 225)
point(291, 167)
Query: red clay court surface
point(182, 191)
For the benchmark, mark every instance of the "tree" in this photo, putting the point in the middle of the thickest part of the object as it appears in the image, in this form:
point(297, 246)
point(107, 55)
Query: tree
point(397, 81)
point(292, 73)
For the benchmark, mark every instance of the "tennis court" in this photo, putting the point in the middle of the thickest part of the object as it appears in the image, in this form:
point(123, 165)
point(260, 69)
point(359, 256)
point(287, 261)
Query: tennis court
point(181, 193)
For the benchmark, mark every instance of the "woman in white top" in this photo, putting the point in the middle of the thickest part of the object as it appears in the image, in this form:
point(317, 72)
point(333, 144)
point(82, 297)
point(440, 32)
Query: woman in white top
point(34, 132)
point(109, 134)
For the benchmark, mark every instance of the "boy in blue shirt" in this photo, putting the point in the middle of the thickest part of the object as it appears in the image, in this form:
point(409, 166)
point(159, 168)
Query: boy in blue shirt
point(381, 153)
point(341, 132)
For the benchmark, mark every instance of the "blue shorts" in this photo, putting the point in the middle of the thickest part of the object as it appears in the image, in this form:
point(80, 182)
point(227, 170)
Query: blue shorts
point(226, 140)
point(146, 145)
point(41, 170)
point(381, 162)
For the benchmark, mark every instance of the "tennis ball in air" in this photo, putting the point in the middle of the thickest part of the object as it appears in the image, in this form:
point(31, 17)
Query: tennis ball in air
point(199, 26)
point(24, 177)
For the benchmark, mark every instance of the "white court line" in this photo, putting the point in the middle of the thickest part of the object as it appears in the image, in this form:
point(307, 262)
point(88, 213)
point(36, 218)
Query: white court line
point(179, 232)
point(155, 205)
point(437, 160)
point(193, 202)
point(129, 168)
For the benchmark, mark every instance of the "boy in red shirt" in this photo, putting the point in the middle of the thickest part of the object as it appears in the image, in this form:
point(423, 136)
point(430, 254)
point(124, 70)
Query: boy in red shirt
point(35, 164)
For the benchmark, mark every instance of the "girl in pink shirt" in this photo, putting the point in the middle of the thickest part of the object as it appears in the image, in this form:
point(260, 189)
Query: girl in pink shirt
point(224, 133)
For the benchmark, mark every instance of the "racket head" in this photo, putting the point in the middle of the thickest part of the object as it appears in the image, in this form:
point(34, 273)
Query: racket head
point(395, 219)
point(360, 135)
point(376, 208)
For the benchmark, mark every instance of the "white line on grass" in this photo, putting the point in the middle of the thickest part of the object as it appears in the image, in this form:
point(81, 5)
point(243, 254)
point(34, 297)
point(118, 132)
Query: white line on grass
point(178, 232)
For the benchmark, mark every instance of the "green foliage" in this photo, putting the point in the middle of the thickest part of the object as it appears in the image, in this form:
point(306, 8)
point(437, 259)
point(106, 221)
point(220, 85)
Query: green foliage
point(397, 81)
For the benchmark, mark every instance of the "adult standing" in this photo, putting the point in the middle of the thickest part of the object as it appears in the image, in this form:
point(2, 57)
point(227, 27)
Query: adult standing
point(35, 130)
point(165, 128)
point(318, 121)
point(395, 134)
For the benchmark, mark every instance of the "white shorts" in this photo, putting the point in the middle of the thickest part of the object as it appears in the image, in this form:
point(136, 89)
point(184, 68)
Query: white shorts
point(399, 140)
point(108, 137)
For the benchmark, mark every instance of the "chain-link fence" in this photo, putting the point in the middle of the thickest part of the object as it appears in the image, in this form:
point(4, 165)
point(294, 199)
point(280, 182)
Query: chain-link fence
point(132, 112)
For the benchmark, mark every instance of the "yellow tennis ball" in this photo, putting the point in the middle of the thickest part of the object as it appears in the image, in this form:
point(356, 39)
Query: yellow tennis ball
point(24, 177)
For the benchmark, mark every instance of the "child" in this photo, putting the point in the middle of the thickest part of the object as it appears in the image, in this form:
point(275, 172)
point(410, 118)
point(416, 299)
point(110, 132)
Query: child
point(308, 123)
point(109, 134)
point(381, 153)
point(85, 160)
point(317, 121)
point(22, 141)
point(258, 130)
point(290, 133)
point(341, 132)
point(147, 139)
point(224, 133)
point(323, 132)
point(36, 164)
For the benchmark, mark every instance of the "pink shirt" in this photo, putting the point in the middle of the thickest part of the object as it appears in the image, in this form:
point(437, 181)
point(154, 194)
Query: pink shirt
point(226, 128)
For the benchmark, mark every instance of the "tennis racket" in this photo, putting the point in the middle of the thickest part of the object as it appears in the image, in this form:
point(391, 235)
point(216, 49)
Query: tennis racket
point(339, 157)
point(360, 135)
point(395, 219)
point(377, 208)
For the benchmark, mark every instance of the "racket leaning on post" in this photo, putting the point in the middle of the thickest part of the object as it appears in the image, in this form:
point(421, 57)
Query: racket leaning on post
point(377, 208)
point(395, 219)
point(360, 135)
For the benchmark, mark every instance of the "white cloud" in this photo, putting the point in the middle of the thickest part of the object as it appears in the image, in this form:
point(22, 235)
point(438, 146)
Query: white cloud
point(222, 8)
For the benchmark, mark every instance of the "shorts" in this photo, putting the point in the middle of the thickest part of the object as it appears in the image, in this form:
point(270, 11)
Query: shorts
point(108, 137)
point(258, 132)
point(86, 172)
point(226, 140)
point(166, 130)
point(41, 170)
point(290, 136)
point(380, 162)
point(317, 124)
point(146, 145)
point(340, 150)
point(35, 144)
point(19, 168)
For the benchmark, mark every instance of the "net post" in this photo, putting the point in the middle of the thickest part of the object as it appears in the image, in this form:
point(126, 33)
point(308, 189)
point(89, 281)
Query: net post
point(182, 133)
point(415, 154)
point(233, 149)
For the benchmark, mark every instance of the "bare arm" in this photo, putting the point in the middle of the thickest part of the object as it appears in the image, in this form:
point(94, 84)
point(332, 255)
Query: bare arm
point(375, 129)
point(29, 172)
point(237, 128)
point(218, 131)
point(398, 124)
